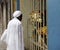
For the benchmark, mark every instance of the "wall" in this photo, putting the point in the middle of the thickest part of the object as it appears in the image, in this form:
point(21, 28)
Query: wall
point(26, 8)
point(0, 23)
point(53, 24)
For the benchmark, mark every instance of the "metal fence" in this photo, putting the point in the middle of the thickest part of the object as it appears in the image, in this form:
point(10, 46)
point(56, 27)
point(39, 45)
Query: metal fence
point(37, 29)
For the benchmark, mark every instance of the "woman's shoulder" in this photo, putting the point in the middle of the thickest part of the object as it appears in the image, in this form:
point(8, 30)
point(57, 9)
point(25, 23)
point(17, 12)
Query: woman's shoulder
point(14, 22)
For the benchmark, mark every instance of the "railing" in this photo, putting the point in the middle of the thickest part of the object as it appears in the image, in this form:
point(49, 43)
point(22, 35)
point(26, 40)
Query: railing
point(37, 27)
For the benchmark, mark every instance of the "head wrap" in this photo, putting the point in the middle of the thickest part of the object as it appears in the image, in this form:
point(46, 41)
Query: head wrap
point(17, 13)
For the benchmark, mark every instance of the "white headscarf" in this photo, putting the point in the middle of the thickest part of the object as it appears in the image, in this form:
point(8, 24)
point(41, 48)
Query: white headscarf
point(17, 13)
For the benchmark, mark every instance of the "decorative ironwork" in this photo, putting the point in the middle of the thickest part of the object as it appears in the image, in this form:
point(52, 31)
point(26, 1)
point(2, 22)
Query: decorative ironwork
point(37, 26)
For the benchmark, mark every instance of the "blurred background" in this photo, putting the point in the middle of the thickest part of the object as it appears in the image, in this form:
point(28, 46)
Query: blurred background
point(41, 22)
point(34, 21)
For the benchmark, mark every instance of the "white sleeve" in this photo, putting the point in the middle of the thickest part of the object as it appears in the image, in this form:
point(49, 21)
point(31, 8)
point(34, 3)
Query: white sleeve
point(3, 37)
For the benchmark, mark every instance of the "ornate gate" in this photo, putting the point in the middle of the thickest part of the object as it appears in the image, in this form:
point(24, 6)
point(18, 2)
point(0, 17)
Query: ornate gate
point(37, 26)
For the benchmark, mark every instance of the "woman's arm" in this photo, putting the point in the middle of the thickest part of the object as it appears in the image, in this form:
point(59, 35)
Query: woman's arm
point(3, 37)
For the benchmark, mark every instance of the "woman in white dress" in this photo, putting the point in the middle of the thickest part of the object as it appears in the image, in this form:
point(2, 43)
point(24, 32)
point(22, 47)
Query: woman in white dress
point(13, 36)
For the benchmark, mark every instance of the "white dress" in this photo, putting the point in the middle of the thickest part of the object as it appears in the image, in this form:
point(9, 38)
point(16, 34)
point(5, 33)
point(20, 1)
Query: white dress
point(14, 35)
